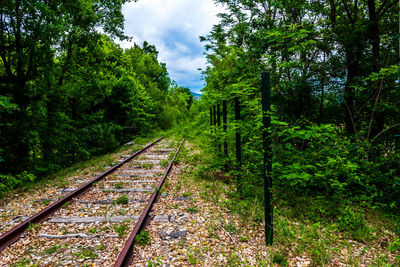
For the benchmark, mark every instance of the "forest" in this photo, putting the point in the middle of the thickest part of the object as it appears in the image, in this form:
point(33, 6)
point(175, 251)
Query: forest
point(69, 92)
point(335, 97)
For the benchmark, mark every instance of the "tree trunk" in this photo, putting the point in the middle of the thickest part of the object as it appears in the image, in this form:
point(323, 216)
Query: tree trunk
point(374, 36)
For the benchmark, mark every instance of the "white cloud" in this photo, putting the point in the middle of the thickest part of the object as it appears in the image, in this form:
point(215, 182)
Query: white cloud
point(174, 27)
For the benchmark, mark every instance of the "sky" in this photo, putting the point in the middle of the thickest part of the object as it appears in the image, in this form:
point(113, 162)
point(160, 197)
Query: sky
point(174, 27)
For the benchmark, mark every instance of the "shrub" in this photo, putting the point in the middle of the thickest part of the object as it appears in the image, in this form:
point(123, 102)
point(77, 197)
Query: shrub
point(351, 220)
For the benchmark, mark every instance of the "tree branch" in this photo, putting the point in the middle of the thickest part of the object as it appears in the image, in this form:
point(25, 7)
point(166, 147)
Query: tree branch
point(348, 11)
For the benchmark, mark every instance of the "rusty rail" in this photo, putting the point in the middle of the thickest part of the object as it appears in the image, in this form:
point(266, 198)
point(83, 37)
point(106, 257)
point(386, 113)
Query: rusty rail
point(126, 256)
point(9, 237)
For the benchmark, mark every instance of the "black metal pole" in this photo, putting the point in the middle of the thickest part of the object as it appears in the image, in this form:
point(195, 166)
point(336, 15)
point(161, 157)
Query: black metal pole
point(214, 115)
point(219, 125)
point(266, 108)
point(225, 126)
point(238, 142)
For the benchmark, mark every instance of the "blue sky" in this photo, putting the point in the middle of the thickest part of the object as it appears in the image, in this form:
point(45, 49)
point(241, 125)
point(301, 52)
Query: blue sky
point(174, 27)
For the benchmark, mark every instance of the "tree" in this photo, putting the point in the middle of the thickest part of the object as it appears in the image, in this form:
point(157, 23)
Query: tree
point(33, 33)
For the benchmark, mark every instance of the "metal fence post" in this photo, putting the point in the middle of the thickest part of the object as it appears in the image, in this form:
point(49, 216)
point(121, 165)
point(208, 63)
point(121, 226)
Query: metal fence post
point(238, 142)
point(214, 116)
point(266, 108)
point(219, 125)
point(238, 136)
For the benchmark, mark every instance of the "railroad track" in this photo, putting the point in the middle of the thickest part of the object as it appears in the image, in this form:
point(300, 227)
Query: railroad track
point(97, 221)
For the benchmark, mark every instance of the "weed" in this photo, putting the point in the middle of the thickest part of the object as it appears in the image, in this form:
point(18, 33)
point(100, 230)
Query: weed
point(23, 263)
point(353, 222)
point(146, 165)
point(395, 246)
point(192, 210)
point(65, 205)
point(122, 212)
point(164, 163)
point(187, 194)
point(33, 227)
point(279, 259)
point(151, 263)
point(179, 186)
point(121, 200)
point(119, 185)
point(51, 250)
point(243, 239)
point(143, 238)
point(191, 258)
point(121, 230)
point(231, 228)
point(234, 260)
point(93, 230)
point(320, 254)
point(86, 253)
point(46, 202)
point(100, 247)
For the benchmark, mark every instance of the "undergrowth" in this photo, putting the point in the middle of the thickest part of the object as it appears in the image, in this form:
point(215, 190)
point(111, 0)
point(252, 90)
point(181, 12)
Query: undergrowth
point(316, 225)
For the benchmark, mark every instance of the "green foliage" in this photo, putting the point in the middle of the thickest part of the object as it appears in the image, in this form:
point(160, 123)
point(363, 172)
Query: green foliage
point(143, 238)
point(191, 258)
point(192, 210)
point(351, 220)
point(119, 185)
point(65, 205)
point(121, 229)
point(33, 227)
point(10, 182)
point(69, 92)
point(279, 259)
point(395, 246)
point(332, 121)
point(124, 200)
point(51, 250)
point(86, 254)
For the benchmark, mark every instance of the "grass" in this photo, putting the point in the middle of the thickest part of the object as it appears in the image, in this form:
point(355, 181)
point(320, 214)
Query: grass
point(119, 185)
point(187, 194)
point(86, 254)
point(192, 210)
point(231, 228)
point(23, 263)
point(100, 247)
point(164, 163)
point(280, 259)
point(51, 250)
point(191, 258)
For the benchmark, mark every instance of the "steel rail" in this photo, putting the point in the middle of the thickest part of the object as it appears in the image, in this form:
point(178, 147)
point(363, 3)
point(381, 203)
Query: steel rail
point(126, 256)
point(9, 237)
